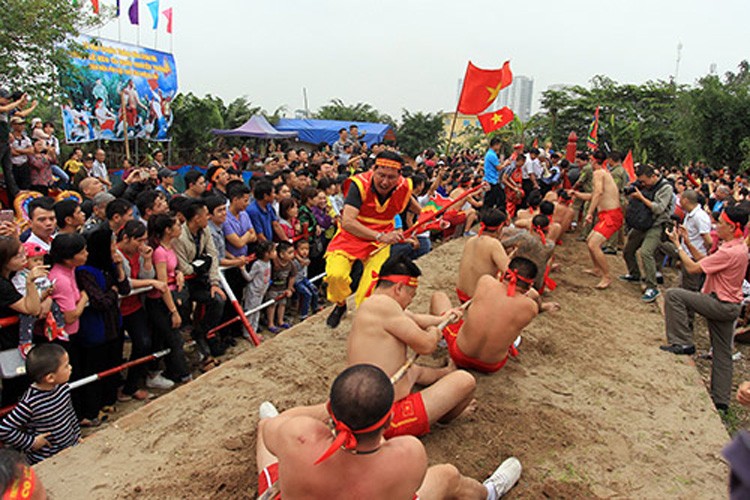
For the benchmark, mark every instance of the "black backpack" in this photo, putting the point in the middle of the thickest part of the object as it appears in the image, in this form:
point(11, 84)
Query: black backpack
point(638, 215)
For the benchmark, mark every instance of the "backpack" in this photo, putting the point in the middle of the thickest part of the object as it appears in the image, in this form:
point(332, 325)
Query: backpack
point(638, 215)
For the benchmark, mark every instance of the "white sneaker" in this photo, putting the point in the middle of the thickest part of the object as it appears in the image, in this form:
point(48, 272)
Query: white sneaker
point(505, 476)
point(159, 382)
point(267, 410)
point(517, 342)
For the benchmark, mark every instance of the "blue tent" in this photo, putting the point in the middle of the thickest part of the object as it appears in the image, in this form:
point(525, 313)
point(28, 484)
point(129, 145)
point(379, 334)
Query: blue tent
point(317, 131)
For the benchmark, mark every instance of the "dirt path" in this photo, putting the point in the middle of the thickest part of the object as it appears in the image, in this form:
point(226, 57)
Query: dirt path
point(591, 407)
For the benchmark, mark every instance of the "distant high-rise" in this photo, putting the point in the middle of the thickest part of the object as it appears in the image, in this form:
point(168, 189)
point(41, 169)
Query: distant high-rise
point(517, 97)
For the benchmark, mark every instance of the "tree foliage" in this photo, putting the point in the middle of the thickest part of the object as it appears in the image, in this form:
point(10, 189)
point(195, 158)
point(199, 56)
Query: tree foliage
point(360, 112)
point(35, 36)
point(419, 131)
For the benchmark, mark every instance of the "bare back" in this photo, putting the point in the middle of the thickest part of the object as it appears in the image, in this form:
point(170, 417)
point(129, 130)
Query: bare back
point(494, 320)
point(396, 470)
point(482, 255)
point(380, 334)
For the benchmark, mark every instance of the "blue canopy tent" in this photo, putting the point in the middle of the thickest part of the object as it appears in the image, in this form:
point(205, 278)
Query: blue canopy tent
point(258, 127)
point(317, 131)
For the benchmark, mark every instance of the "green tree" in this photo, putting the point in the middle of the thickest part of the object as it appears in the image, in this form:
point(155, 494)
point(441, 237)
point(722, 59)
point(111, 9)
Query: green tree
point(419, 131)
point(194, 119)
point(36, 36)
point(360, 112)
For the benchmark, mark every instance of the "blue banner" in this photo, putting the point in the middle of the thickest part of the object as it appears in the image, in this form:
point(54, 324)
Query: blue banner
point(114, 84)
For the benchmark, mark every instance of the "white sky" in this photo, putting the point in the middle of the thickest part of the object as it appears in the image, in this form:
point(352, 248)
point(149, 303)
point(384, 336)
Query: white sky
point(396, 54)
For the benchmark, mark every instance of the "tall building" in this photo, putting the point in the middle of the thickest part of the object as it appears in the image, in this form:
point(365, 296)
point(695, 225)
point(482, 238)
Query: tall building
point(517, 96)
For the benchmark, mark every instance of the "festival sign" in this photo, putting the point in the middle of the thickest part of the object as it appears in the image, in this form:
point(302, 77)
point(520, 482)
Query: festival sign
point(111, 81)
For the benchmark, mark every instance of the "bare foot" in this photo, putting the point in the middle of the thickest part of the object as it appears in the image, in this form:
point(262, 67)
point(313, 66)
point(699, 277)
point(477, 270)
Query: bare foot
point(470, 408)
point(604, 283)
point(550, 307)
point(593, 272)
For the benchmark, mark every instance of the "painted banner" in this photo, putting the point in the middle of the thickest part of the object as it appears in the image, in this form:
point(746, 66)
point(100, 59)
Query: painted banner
point(114, 83)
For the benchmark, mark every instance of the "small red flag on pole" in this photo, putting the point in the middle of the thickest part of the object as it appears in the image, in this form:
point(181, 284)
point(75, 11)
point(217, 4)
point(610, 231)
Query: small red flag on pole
point(627, 164)
point(95, 4)
point(495, 120)
point(168, 14)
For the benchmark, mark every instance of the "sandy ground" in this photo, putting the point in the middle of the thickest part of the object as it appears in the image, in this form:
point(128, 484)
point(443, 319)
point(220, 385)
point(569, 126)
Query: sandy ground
point(591, 407)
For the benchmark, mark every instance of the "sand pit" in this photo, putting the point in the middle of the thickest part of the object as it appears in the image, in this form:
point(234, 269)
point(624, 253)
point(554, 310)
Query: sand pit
point(591, 407)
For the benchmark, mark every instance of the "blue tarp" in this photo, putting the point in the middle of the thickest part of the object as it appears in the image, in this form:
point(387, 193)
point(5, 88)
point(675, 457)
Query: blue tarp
point(317, 131)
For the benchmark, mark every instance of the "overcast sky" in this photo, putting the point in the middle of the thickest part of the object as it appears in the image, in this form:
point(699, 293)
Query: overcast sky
point(396, 54)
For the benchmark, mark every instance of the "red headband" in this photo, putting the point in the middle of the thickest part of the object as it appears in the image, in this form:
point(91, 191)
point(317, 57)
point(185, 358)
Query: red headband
point(346, 438)
point(216, 174)
point(484, 227)
point(388, 163)
point(512, 276)
point(540, 232)
point(738, 232)
point(393, 278)
point(23, 487)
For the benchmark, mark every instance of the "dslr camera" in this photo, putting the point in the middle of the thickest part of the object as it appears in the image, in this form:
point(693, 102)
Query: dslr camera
point(628, 190)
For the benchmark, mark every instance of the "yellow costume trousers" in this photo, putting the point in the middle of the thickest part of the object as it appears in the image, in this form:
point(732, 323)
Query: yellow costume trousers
point(338, 269)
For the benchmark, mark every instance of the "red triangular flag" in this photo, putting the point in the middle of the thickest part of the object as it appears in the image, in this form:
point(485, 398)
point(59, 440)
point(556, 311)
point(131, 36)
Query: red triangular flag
point(481, 87)
point(168, 14)
point(95, 4)
point(495, 120)
point(535, 144)
point(627, 164)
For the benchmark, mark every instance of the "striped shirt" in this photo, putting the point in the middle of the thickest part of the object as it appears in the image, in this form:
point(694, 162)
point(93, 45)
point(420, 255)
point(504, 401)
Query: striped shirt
point(37, 413)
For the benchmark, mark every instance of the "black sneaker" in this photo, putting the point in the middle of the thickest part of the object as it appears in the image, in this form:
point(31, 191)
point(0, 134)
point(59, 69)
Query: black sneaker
point(216, 348)
point(679, 349)
point(629, 278)
point(659, 278)
point(335, 318)
point(609, 251)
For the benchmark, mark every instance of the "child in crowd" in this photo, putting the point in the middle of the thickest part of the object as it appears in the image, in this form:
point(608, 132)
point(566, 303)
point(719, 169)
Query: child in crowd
point(44, 422)
point(54, 322)
point(258, 280)
point(282, 285)
point(288, 212)
point(308, 294)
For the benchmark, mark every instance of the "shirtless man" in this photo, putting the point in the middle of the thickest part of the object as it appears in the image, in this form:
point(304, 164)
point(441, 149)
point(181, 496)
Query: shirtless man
point(382, 330)
point(605, 199)
point(483, 254)
point(528, 245)
point(499, 311)
point(533, 200)
point(562, 213)
point(471, 204)
point(299, 457)
point(553, 230)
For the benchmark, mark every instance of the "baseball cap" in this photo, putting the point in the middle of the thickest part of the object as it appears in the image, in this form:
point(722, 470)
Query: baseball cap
point(17, 120)
point(34, 249)
point(165, 172)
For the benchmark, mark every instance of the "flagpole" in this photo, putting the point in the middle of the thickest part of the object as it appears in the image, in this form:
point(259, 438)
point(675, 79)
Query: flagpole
point(119, 22)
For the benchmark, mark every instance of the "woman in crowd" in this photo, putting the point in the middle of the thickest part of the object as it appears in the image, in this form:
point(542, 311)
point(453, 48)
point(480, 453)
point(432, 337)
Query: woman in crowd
point(161, 306)
point(132, 243)
point(99, 340)
point(67, 252)
point(12, 303)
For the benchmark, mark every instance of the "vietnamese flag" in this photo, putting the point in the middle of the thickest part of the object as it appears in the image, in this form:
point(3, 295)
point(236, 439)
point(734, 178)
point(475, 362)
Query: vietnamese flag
point(627, 164)
point(481, 87)
point(495, 120)
point(95, 5)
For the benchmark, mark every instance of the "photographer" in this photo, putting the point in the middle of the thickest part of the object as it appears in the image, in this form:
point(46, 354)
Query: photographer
point(651, 203)
point(197, 255)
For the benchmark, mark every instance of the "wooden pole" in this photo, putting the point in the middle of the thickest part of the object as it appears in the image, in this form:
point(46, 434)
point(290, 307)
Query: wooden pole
point(450, 134)
point(124, 118)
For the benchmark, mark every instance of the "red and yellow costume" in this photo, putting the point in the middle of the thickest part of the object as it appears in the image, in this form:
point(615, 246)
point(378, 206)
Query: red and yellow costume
point(409, 417)
point(512, 198)
point(346, 248)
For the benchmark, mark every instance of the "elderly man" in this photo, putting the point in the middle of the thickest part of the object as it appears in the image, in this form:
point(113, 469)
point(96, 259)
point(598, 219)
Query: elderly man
point(373, 200)
point(99, 168)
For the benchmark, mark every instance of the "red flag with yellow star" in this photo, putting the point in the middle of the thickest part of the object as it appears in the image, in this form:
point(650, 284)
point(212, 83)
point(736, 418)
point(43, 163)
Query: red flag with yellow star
point(495, 120)
point(481, 87)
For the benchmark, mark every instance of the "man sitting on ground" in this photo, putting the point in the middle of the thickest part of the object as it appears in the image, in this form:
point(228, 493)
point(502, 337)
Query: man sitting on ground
point(483, 254)
point(382, 330)
point(499, 311)
point(553, 231)
point(299, 457)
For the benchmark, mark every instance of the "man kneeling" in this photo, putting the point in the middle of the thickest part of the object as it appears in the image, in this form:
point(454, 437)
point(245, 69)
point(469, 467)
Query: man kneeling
point(500, 310)
point(299, 457)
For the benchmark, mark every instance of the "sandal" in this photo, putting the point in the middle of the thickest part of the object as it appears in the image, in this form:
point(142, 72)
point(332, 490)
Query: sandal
point(274, 329)
point(209, 364)
point(90, 422)
point(285, 326)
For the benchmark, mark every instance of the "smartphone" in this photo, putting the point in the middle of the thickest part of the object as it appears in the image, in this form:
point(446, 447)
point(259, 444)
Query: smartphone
point(7, 216)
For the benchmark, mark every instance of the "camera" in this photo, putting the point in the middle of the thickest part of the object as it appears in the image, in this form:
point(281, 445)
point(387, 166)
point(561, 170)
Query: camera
point(628, 190)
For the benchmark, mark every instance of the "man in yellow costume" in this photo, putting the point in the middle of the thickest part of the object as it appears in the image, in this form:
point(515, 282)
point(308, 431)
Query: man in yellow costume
point(373, 199)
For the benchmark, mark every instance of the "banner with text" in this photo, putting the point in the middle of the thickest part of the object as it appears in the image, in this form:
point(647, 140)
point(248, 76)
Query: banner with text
point(113, 84)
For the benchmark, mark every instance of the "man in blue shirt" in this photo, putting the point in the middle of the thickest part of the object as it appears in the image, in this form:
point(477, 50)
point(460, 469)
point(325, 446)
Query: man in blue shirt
point(262, 214)
point(495, 197)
